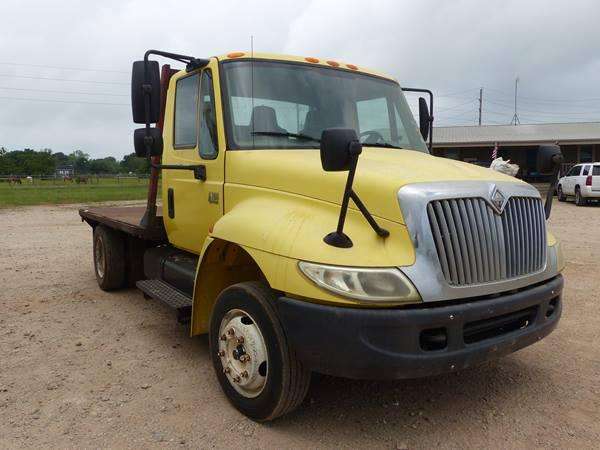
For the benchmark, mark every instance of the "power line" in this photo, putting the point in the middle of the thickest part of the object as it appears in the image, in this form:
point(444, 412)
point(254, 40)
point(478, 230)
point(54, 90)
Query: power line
point(455, 93)
point(455, 106)
point(545, 100)
point(64, 92)
point(62, 68)
point(62, 101)
point(61, 79)
point(548, 113)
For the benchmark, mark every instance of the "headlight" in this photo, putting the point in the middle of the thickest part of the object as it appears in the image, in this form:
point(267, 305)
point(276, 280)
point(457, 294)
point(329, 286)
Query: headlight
point(369, 285)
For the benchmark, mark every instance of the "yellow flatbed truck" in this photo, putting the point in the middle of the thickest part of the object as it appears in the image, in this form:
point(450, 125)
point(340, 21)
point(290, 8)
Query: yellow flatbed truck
point(305, 226)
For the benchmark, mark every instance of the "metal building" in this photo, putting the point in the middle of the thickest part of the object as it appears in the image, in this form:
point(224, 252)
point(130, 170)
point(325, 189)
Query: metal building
point(580, 142)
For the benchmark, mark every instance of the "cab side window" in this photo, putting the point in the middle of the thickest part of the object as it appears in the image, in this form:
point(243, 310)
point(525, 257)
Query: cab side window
point(208, 122)
point(186, 112)
point(586, 170)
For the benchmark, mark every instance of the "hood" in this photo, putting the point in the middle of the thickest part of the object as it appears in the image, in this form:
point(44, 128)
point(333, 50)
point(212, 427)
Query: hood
point(380, 174)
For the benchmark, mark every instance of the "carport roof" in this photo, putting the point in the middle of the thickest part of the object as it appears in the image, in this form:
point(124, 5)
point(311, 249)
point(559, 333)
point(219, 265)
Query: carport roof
point(575, 133)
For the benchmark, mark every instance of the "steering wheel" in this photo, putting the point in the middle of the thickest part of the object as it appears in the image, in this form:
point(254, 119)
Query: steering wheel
point(371, 137)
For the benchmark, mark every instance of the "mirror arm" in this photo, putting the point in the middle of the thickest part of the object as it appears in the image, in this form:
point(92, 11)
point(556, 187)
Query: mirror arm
point(428, 92)
point(338, 238)
point(363, 209)
point(192, 63)
point(557, 160)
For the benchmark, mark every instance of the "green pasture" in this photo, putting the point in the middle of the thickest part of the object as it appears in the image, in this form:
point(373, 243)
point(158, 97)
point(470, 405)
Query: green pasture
point(56, 191)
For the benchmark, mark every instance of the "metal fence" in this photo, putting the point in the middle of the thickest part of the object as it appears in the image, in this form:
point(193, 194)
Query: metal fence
point(75, 179)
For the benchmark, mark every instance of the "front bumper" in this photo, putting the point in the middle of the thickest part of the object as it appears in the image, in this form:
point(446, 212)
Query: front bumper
point(413, 342)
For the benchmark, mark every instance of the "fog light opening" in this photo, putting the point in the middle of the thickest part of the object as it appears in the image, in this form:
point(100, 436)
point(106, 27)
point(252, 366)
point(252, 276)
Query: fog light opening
point(433, 339)
point(552, 305)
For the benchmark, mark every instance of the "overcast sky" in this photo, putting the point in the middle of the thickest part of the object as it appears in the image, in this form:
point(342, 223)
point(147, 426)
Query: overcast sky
point(451, 47)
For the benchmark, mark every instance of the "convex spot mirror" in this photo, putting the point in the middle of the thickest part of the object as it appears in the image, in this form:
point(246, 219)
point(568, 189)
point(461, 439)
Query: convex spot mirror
point(424, 118)
point(155, 140)
point(139, 88)
point(548, 156)
point(339, 148)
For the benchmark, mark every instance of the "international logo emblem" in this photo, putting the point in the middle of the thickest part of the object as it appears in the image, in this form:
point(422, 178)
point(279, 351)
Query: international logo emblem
point(498, 200)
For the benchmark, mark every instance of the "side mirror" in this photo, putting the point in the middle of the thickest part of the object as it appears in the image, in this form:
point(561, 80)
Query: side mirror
point(339, 149)
point(139, 89)
point(548, 157)
point(155, 138)
point(424, 118)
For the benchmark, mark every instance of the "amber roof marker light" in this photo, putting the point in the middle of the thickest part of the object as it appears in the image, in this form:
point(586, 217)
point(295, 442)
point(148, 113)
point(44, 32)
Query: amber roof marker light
point(352, 66)
point(311, 60)
point(333, 63)
point(235, 54)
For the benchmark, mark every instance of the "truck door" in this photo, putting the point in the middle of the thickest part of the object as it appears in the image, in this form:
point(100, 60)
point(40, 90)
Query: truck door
point(193, 200)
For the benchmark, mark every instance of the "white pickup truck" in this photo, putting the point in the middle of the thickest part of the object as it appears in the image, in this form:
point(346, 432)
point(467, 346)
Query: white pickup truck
point(581, 182)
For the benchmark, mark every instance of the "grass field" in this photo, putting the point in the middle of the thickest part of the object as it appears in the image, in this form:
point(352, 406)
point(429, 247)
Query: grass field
point(57, 191)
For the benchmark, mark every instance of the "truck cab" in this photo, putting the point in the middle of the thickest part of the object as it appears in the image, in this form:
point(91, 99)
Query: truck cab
point(306, 227)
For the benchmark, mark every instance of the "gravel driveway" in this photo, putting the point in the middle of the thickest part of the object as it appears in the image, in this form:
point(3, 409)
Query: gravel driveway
point(82, 368)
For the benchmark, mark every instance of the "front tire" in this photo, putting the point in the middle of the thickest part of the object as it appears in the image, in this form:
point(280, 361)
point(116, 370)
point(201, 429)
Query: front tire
point(580, 200)
point(258, 372)
point(109, 258)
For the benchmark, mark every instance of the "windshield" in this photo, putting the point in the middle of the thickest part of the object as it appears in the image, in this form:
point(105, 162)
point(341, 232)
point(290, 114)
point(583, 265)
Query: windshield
point(278, 105)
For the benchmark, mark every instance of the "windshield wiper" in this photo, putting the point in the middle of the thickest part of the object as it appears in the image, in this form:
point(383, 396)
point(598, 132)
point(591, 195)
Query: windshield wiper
point(380, 144)
point(304, 137)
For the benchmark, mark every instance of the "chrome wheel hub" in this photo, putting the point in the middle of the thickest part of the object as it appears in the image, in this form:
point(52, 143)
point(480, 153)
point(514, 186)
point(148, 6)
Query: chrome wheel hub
point(243, 353)
point(100, 259)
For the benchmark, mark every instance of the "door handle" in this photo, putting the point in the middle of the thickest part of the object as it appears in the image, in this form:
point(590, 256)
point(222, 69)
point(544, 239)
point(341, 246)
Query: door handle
point(200, 172)
point(171, 203)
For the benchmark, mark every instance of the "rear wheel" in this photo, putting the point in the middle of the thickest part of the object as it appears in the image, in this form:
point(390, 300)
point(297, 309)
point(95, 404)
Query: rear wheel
point(580, 200)
point(561, 196)
point(258, 372)
point(109, 258)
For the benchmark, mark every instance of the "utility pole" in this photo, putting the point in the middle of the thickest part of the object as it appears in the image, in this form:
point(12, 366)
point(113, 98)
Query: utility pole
point(480, 103)
point(515, 120)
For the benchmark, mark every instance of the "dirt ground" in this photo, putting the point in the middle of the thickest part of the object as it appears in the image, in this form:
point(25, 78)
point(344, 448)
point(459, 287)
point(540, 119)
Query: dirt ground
point(82, 368)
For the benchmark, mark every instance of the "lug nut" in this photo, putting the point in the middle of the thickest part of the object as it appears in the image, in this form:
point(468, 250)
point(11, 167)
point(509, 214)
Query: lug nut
point(236, 379)
point(240, 340)
point(221, 353)
point(244, 374)
point(244, 358)
point(226, 370)
point(223, 337)
point(231, 332)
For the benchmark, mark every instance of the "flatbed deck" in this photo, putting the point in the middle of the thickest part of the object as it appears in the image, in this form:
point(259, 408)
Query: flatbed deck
point(126, 219)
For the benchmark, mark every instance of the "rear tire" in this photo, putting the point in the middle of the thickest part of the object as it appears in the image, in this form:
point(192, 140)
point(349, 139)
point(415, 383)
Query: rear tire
point(561, 196)
point(580, 200)
point(109, 258)
point(244, 324)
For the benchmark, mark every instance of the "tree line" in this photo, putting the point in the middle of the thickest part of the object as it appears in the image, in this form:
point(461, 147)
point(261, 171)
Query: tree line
point(28, 162)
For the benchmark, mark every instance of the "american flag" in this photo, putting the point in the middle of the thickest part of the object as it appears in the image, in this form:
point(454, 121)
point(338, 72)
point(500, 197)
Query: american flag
point(495, 152)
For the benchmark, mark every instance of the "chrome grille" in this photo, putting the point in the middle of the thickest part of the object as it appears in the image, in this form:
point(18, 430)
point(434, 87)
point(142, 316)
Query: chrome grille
point(476, 245)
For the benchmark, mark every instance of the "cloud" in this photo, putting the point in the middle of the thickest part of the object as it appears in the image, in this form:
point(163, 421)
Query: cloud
point(454, 48)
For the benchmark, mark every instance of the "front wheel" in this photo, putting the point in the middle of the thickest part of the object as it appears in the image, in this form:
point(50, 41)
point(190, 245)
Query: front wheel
point(258, 372)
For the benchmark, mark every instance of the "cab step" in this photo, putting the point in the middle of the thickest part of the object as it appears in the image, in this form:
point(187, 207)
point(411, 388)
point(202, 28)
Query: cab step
point(159, 290)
